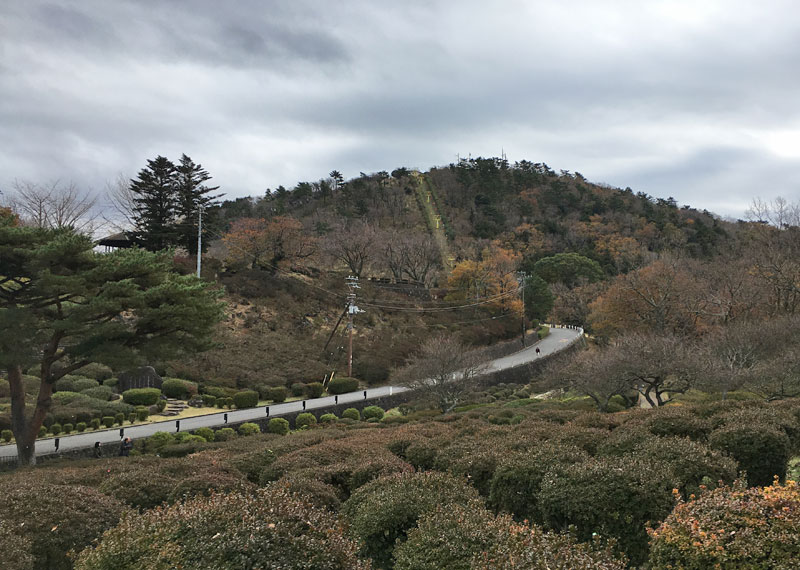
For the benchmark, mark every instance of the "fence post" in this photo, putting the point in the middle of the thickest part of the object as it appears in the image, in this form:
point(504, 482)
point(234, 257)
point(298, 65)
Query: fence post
point(177, 426)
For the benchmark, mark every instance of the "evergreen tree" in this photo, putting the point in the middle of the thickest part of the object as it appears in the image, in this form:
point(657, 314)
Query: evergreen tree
point(192, 195)
point(155, 205)
point(63, 306)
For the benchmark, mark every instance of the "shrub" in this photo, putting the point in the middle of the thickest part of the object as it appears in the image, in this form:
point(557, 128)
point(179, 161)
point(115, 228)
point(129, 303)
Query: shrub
point(54, 519)
point(422, 454)
point(731, 528)
point(103, 393)
point(108, 421)
point(277, 394)
point(325, 418)
point(224, 434)
point(249, 428)
point(209, 400)
point(298, 389)
point(342, 385)
point(245, 399)
point(229, 403)
point(177, 388)
point(761, 450)
point(372, 412)
point(158, 440)
point(72, 383)
point(42, 431)
point(220, 403)
point(65, 398)
point(132, 417)
point(679, 422)
point(314, 389)
point(206, 433)
point(141, 396)
point(279, 426)
point(55, 429)
point(67, 428)
point(142, 413)
point(119, 418)
point(80, 427)
point(111, 382)
point(211, 532)
point(352, 414)
point(306, 419)
point(16, 548)
point(95, 423)
point(384, 510)
point(6, 435)
point(96, 371)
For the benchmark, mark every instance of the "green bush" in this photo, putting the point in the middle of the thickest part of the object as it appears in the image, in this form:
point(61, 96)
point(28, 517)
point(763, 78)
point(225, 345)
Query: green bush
point(342, 385)
point(229, 403)
point(245, 399)
point(314, 389)
point(227, 531)
point(249, 428)
point(220, 403)
point(111, 382)
point(65, 398)
point(54, 519)
point(277, 394)
point(325, 418)
point(132, 418)
point(306, 419)
point(6, 435)
point(224, 434)
point(731, 528)
point(209, 400)
point(103, 393)
point(158, 440)
point(108, 421)
point(97, 371)
point(372, 412)
point(761, 450)
point(352, 414)
point(279, 426)
point(206, 433)
point(679, 422)
point(119, 418)
point(177, 388)
point(67, 428)
point(55, 429)
point(141, 396)
point(42, 431)
point(298, 389)
point(384, 510)
point(73, 383)
point(95, 423)
point(80, 427)
point(142, 413)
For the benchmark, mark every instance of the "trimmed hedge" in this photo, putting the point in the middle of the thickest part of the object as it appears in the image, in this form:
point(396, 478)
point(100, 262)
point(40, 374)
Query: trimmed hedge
point(72, 383)
point(99, 393)
point(352, 414)
point(277, 394)
point(342, 385)
point(761, 450)
point(314, 389)
point(279, 426)
point(141, 396)
point(96, 371)
point(249, 428)
point(224, 434)
point(206, 433)
point(245, 399)
point(306, 419)
point(372, 412)
point(177, 388)
point(325, 418)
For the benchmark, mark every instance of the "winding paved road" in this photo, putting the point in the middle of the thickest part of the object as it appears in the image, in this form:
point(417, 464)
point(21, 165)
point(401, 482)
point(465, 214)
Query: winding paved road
point(557, 340)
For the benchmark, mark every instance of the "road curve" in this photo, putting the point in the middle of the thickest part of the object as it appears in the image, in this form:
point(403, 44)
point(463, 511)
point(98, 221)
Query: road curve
point(558, 339)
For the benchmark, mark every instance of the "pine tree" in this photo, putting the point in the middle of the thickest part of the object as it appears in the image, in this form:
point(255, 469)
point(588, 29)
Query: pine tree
point(155, 205)
point(192, 195)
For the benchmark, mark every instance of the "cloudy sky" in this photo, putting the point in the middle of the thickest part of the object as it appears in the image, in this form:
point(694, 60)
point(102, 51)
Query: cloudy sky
point(699, 100)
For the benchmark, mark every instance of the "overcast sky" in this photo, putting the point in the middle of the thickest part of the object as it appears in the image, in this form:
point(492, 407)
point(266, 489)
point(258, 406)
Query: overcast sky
point(699, 100)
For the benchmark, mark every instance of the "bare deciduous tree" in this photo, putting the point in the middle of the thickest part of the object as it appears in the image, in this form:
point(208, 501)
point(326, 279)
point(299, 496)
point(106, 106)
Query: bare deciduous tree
point(443, 371)
point(54, 205)
point(354, 245)
point(411, 255)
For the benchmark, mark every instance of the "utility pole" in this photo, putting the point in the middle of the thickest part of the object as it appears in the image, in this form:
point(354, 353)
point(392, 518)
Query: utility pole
point(523, 276)
point(352, 284)
point(199, 238)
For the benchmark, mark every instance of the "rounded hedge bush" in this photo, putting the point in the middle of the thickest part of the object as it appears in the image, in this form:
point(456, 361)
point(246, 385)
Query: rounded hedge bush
point(95, 423)
point(96, 371)
point(42, 431)
point(314, 389)
point(245, 399)
point(141, 396)
point(384, 510)
point(209, 400)
point(142, 413)
point(298, 389)
point(249, 428)
point(6, 435)
point(108, 421)
point(761, 450)
point(224, 434)
point(67, 428)
point(325, 418)
point(277, 394)
point(176, 388)
point(55, 429)
point(268, 528)
point(342, 385)
point(119, 418)
point(306, 419)
point(372, 412)
point(205, 432)
point(73, 383)
point(351, 414)
point(731, 528)
point(80, 427)
point(279, 426)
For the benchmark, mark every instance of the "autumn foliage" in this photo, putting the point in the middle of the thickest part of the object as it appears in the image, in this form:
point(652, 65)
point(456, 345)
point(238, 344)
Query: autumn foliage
point(275, 244)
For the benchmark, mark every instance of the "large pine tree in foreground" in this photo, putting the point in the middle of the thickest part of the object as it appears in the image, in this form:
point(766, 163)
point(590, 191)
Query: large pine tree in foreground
point(63, 306)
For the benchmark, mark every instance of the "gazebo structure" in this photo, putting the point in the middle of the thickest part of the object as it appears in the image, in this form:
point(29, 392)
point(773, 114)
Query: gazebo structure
point(117, 241)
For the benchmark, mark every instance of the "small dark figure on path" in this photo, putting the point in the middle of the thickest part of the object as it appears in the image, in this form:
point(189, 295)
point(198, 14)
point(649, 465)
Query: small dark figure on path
point(98, 452)
point(125, 447)
point(538, 351)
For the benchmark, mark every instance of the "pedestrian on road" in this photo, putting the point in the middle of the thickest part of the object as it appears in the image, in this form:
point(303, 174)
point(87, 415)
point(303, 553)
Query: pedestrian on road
point(125, 448)
point(97, 453)
point(538, 351)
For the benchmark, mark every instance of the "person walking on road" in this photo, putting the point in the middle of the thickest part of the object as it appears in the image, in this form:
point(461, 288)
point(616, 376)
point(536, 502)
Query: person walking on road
point(538, 351)
point(125, 447)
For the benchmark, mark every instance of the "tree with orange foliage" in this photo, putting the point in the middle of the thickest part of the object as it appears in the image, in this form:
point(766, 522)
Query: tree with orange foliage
point(274, 244)
point(493, 277)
